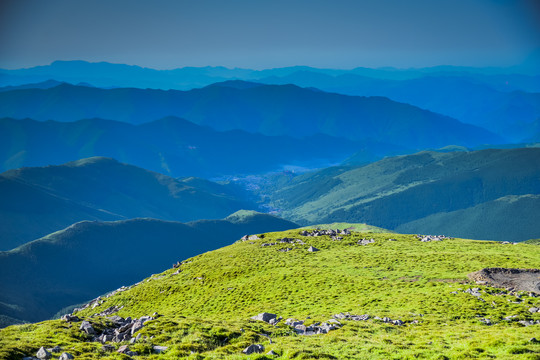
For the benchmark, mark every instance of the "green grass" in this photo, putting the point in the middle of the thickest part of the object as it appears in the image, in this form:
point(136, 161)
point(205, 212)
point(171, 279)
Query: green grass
point(205, 307)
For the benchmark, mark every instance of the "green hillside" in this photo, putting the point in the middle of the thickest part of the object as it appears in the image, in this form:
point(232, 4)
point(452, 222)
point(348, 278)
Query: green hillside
point(204, 307)
point(484, 221)
point(90, 258)
point(422, 192)
point(104, 189)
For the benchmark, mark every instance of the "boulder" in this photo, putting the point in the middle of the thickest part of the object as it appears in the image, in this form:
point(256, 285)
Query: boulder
point(66, 356)
point(87, 328)
point(43, 353)
point(312, 249)
point(137, 325)
point(254, 349)
point(272, 353)
point(70, 318)
point(266, 317)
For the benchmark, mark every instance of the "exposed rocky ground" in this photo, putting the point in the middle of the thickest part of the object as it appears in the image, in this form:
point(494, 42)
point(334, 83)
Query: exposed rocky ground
point(513, 279)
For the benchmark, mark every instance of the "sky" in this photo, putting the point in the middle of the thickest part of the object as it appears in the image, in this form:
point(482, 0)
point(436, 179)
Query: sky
point(257, 34)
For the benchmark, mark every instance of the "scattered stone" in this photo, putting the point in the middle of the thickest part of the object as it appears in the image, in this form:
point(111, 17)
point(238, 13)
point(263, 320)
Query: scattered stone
point(124, 349)
point(66, 356)
point(534, 341)
point(329, 232)
point(474, 292)
point(159, 349)
point(253, 237)
point(109, 311)
point(387, 320)
point(43, 353)
point(70, 318)
point(429, 238)
point(272, 353)
point(486, 321)
point(312, 249)
point(285, 249)
point(254, 349)
point(87, 328)
point(366, 241)
point(534, 310)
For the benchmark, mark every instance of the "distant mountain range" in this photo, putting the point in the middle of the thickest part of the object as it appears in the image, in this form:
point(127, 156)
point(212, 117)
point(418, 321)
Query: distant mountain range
point(91, 258)
point(41, 200)
point(511, 114)
point(488, 194)
point(172, 146)
point(276, 110)
point(106, 75)
point(503, 100)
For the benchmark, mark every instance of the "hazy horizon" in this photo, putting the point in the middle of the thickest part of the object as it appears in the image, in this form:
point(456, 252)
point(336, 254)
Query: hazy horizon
point(344, 34)
point(388, 67)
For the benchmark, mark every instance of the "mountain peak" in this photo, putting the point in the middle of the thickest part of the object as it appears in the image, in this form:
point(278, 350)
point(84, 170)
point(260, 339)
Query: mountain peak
point(92, 161)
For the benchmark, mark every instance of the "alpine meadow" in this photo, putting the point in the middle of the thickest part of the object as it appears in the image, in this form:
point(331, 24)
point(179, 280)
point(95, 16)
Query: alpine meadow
point(298, 179)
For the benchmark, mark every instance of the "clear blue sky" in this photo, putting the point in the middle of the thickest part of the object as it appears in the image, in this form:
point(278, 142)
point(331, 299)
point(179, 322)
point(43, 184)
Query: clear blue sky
point(167, 34)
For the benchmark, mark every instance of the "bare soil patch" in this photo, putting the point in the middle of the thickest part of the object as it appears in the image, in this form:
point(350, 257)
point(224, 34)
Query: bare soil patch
point(518, 279)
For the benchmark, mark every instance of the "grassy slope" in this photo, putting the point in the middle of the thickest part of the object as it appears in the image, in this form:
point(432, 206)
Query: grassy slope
point(216, 293)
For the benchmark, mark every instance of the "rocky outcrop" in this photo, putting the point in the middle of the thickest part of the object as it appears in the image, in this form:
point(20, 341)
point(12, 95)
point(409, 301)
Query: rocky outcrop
point(330, 232)
point(429, 238)
point(387, 320)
